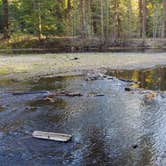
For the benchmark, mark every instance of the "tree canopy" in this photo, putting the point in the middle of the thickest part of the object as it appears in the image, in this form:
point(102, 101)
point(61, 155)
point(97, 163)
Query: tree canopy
point(93, 18)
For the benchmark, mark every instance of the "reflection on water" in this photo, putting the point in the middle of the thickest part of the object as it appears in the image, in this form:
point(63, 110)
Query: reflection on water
point(153, 79)
point(1, 108)
point(104, 128)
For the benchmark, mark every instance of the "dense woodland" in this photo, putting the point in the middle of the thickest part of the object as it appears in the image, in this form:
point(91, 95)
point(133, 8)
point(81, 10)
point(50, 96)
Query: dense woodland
point(84, 18)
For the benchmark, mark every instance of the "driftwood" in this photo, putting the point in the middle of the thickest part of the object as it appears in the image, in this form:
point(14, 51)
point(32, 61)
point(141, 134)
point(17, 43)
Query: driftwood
point(73, 94)
point(30, 93)
point(51, 97)
point(70, 94)
point(129, 81)
point(99, 95)
point(52, 136)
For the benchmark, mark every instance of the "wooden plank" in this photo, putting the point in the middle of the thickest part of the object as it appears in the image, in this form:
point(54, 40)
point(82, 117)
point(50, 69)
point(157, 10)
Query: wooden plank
point(52, 136)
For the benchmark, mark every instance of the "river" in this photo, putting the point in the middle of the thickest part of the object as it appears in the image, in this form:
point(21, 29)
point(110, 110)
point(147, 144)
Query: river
point(116, 128)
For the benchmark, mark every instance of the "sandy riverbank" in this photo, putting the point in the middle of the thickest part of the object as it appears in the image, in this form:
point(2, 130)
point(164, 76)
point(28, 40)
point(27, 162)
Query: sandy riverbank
point(26, 66)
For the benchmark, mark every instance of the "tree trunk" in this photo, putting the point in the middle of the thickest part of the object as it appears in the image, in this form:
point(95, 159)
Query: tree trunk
point(142, 18)
point(38, 19)
point(83, 20)
point(5, 19)
point(164, 19)
point(69, 5)
point(102, 19)
point(144, 23)
point(117, 19)
point(39, 22)
point(91, 18)
point(130, 20)
point(156, 20)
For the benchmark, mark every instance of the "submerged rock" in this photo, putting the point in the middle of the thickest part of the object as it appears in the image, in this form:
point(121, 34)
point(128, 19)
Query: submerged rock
point(149, 98)
point(163, 95)
point(52, 100)
point(69, 94)
point(75, 58)
point(94, 75)
point(128, 89)
point(135, 146)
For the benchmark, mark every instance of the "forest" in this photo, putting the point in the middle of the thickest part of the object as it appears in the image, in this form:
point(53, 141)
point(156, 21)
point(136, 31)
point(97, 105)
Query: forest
point(81, 18)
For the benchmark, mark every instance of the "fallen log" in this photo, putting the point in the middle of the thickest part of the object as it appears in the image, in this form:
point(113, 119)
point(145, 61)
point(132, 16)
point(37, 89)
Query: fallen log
point(52, 136)
point(70, 94)
point(74, 94)
point(99, 95)
point(30, 93)
point(129, 81)
point(50, 99)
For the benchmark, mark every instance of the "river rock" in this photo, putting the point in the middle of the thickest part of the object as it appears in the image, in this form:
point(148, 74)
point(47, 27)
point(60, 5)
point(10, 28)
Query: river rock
point(94, 76)
point(135, 146)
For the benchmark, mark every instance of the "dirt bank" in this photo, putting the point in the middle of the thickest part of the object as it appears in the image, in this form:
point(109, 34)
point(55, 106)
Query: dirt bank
point(25, 66)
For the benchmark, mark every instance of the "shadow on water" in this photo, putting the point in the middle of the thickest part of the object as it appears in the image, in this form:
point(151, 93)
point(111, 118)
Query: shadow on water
point(104, 128)
point(153, 79)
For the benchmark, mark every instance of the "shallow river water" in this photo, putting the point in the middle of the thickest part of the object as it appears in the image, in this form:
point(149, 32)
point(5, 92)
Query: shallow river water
point(116, 129)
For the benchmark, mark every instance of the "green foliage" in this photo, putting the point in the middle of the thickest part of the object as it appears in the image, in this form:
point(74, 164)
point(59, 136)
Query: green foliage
point(46, 18)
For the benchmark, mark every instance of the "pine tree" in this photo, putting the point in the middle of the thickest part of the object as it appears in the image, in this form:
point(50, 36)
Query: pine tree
point(5, 19)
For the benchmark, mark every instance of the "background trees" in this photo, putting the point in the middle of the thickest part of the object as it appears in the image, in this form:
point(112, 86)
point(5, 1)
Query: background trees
point(164, 19)
point(142, 18)
point(5, 16)
point(93, 18)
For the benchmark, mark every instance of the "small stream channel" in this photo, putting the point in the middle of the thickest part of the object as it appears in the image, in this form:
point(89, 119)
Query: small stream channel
point(114, 129)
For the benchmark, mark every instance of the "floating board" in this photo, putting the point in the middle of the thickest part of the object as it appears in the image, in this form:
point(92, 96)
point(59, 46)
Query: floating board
point(52, 136)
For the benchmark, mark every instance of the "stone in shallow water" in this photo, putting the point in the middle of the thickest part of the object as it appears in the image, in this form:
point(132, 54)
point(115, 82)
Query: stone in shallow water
point(128, 89)
point(135, 146)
